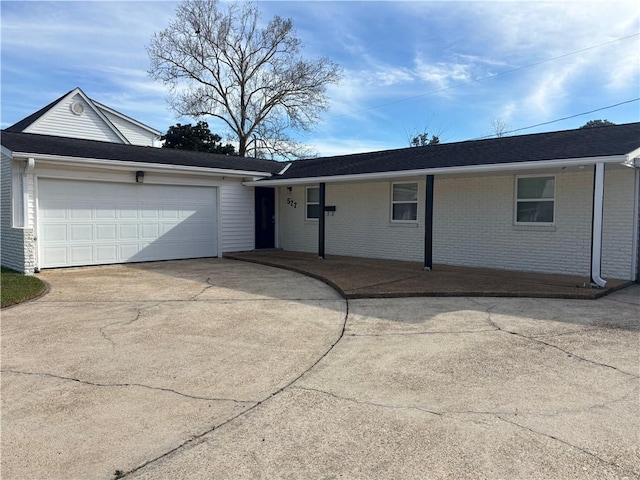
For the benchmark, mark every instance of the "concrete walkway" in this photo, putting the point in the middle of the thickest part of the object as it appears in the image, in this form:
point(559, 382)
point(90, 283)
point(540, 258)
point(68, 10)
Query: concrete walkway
point(229, 370)
point(373, 278)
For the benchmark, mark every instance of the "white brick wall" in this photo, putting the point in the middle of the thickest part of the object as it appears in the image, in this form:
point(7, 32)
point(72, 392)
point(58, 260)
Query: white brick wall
point(617, 235)
point(473, 224)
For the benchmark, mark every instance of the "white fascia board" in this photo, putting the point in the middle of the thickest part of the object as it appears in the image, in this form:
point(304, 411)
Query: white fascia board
point(128, 165)
point(6, 152)
point(127, 118)
point(498, 167)
point(633, 159)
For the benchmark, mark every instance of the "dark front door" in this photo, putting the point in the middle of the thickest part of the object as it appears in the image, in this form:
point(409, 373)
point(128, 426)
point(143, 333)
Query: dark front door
point(265, 217)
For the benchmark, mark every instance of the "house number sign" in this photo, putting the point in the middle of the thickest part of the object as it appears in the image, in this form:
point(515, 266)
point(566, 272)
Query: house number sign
point(291, 203)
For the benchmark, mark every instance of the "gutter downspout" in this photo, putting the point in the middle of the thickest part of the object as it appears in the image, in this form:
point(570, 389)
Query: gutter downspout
point(596, 226)
point(321, 221)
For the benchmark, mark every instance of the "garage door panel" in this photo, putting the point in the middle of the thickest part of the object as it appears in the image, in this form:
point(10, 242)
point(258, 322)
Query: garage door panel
point(80, 213)
point(80, 255)
point(128, 231)
point(128, 212)
point(88, 223)
point(106, 213)
point(106, 232)
point(107, 253)
point(81, 233)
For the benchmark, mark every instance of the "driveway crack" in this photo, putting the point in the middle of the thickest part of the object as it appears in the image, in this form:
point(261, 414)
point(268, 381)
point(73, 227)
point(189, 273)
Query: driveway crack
point(139, 311)
point(569, 444)
point(363, 402)
point(542, 342)
point(204, 289)
point(408, 334)
point(196, 438)
point(122, 385)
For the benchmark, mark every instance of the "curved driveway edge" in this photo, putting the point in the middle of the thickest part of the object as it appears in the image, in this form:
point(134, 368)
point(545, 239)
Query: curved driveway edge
point(119, 365)
point(229, 370)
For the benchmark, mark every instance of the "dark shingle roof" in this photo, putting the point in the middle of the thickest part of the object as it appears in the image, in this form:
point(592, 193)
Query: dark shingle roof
point(74, 147)
point(579, 143)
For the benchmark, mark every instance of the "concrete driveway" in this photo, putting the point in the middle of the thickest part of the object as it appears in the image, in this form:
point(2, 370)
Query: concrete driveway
point(217, 369)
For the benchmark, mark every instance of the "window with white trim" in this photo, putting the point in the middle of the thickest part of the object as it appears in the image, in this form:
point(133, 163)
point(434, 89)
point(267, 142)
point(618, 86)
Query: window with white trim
point(404, 202)
point(312, 206)
point(535, 199)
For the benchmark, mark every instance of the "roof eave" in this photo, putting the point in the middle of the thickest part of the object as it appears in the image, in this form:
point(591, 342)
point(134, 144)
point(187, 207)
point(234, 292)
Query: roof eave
point(620, 159)
point(130, 165)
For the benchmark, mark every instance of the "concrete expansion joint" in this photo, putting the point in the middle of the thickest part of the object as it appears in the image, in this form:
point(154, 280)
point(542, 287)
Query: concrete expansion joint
point(126, 385)
point(633, 473)
point(567, 352)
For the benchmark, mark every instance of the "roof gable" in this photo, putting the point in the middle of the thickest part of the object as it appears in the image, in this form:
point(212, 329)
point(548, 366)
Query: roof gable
point(90, 120)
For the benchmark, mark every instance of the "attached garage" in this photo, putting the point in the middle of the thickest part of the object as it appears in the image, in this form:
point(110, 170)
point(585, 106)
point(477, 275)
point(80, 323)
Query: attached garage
point(94, 223)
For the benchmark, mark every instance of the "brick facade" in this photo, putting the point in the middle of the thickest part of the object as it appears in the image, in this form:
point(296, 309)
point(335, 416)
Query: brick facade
point(473, 224)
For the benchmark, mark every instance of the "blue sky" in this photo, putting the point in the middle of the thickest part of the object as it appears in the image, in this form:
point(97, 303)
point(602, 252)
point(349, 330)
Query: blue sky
point(449, 67)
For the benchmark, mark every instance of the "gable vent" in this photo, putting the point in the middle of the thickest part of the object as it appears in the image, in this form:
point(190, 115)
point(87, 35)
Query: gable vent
point(77, 108)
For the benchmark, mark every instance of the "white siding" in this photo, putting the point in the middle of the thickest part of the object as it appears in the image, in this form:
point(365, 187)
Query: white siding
point(17, 251)
point(237, 215)
point(135, 134)
point(61, 122)
point(473, 224)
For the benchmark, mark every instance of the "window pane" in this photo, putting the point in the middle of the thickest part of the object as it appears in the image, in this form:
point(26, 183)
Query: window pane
point(313, 194)
point(312, 211)
point(405, 192)
point(405, 211)
point(535, 212)
point(536, 187)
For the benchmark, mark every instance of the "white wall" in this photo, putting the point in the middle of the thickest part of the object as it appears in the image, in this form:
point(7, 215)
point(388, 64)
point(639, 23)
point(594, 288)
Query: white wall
point(16, 248)
point(619, 209)
point(237, 213)
point(474, 224)
point(132, 132)
point(235, 218)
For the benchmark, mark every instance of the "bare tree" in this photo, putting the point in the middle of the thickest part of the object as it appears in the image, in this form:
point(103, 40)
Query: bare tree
point(499, 127)
point(224, 64)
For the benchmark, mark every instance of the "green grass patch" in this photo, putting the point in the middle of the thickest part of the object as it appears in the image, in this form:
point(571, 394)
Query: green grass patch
point(17, 288)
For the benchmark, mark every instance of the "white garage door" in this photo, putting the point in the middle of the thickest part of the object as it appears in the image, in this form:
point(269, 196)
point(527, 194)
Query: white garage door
point(94, 223)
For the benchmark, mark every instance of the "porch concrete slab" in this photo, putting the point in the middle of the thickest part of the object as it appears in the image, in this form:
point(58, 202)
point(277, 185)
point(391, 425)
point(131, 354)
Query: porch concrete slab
point(108, 372)
point(376, 278)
